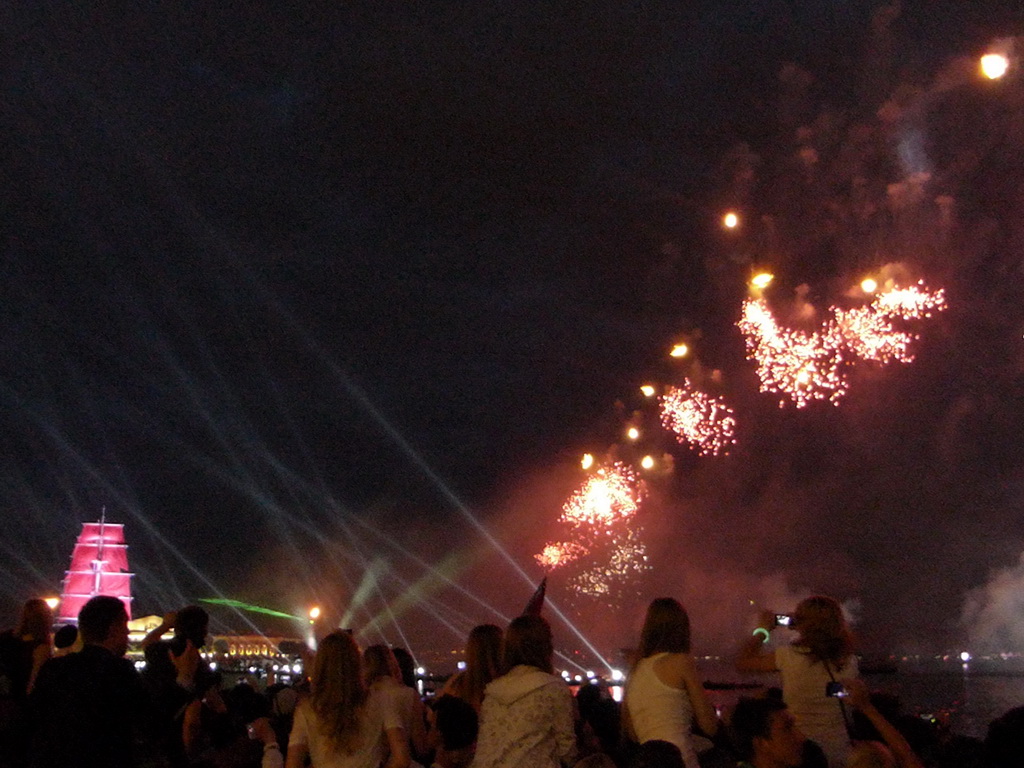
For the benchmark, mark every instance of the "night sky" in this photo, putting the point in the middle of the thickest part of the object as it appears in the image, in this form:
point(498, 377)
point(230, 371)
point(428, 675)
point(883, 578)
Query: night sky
point(306, 297)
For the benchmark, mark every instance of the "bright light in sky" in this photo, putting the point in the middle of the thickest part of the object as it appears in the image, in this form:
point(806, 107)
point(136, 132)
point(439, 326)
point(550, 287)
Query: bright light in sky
point(994, 65)
point(679, 350)
point(632, 433)
point(762, 280)
point(730, 220)
point(705, 422)
point(809, 366)
point(647, 462)
point(606, 497)
point(587, 461)
point(648, 390)
point(869, 285)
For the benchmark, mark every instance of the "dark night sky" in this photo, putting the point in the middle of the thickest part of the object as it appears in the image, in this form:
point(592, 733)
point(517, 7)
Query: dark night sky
point(278, 288)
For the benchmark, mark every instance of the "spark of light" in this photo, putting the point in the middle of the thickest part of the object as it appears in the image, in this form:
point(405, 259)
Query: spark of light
point(705, 422)
point(730, 220)
point(869, 285)
point(679, 350)
point(587, 461)
point(647, 390)
point(609, 495)
point(633, 433)
point(559, 554)
point(627, 560)
point(647, 462)
point(913, 303)
point(994, 65)
point(871, 336)
point(762, 280)
point(813, 366)
point(803, 366)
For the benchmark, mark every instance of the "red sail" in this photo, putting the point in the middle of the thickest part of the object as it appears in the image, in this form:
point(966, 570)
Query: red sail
point(99, 566)
point(109, 533)
point(114, 558)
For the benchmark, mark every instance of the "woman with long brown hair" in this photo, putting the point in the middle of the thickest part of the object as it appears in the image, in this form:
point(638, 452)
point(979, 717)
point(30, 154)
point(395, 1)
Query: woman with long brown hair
point(341, 725)
point(811, 667)
point(483, 664)
point(664, 694)
point(526, 720)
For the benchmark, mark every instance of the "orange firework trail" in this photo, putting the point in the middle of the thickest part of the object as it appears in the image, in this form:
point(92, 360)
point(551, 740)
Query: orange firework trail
point(705, 422)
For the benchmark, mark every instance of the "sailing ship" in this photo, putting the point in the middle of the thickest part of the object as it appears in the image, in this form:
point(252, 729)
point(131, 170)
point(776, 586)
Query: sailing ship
point(99, 566)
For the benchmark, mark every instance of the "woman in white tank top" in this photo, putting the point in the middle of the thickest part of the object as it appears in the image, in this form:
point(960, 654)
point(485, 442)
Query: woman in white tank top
point(664, 695)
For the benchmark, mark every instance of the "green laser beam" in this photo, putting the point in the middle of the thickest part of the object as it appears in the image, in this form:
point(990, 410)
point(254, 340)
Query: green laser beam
point(247, 607)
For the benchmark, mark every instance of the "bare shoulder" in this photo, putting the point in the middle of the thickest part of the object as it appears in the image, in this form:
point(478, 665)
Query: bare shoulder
point(673, 669)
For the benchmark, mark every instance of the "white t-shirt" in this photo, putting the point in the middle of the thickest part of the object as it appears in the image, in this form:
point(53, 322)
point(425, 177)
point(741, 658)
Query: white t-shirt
point(820, 717)
point(378, 716)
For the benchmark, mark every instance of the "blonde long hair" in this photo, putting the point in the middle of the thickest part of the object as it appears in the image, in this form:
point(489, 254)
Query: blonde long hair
point(338, 693)
point(823, 630)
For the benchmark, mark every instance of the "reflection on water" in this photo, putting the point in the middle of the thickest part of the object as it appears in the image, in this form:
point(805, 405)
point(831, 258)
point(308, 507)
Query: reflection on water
point(968, 696)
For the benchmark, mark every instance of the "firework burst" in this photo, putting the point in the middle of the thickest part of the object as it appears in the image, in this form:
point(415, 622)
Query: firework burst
point(814, 366)
point(559, 554)
point(603, 550)
point(611, 577)
point(913, 303)
point(870, 335)
point(705, 422)
point(803, 366)
point(609, 495)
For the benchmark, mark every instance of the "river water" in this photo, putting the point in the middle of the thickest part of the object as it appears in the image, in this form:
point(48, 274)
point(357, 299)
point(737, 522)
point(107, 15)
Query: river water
point(967, 696)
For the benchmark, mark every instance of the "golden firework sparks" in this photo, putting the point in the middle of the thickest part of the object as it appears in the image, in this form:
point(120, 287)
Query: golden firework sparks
point(706, 423)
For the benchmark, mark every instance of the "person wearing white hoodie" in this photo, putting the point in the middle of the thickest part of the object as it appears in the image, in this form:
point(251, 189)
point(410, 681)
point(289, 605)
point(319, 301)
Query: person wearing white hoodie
point(526, 720)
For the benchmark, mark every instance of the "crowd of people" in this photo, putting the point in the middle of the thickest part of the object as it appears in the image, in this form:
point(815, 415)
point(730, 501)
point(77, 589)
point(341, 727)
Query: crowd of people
point(71, 698)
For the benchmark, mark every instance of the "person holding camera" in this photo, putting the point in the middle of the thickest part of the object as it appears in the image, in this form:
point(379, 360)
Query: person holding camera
point(811, 668)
